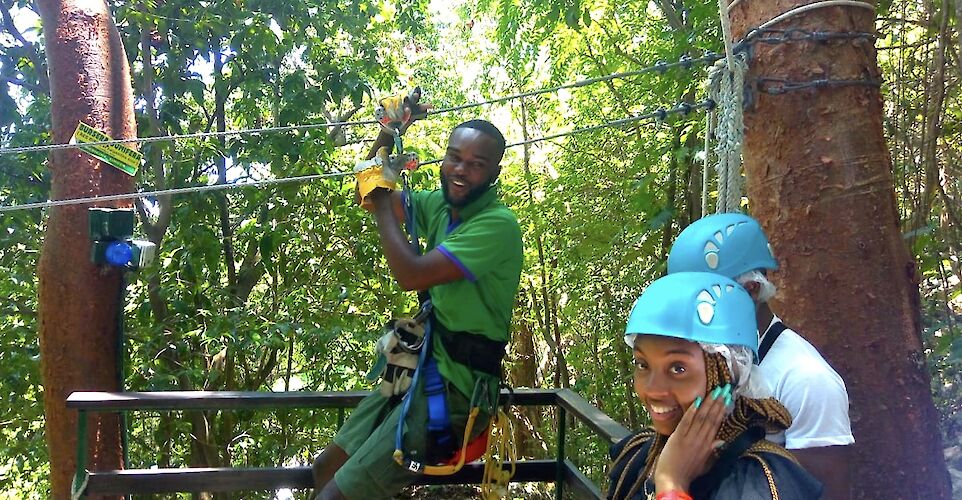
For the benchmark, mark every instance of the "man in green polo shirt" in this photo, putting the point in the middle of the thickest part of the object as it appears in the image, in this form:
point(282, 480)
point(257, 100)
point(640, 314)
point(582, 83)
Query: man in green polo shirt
point(471, 269)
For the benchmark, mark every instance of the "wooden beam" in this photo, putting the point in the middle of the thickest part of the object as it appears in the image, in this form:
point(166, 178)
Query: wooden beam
point(211, 400)
point(578, 484)
point(252, 400)
point(594, 418)
point(140, 481)
point(144, 481)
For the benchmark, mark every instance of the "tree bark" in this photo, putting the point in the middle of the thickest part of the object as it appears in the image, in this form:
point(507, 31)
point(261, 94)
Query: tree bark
point(90, 82)
point(820, 182)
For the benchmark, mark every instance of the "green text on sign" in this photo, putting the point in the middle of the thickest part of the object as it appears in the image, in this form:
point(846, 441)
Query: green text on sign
point(120, 156)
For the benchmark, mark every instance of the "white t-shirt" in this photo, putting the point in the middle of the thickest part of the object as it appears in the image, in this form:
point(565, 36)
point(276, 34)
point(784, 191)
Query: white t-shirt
point(811, 390)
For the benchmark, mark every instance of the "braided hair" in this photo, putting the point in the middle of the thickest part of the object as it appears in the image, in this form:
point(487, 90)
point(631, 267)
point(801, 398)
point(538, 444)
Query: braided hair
point(767, 413)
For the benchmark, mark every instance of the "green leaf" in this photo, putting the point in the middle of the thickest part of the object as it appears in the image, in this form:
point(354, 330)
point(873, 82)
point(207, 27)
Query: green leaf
point(267, 250)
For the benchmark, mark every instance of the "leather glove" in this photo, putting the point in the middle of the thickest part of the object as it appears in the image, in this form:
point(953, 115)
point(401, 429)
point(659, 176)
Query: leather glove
point(400, 345)
point(396, 113)
point(382, 171)
point(378, 172)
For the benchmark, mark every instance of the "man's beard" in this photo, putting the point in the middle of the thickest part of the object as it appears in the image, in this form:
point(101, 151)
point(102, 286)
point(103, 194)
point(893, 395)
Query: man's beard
point(473, 194)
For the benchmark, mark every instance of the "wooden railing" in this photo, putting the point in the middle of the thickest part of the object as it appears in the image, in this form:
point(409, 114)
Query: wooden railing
point(137, 481)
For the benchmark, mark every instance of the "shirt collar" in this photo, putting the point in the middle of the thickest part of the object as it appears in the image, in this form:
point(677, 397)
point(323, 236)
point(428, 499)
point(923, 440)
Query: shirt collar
point(477, 205)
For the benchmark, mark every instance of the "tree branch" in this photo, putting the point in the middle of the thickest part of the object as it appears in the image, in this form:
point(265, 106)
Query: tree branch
point(674, 19)
point(31, 48)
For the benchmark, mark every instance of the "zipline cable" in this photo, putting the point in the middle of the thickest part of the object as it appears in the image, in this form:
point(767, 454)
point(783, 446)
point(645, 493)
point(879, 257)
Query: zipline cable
point(660, 114)
point(685, 62)
point(163, 192)
point(805, 8)
point(683, 108)
point(707, 59)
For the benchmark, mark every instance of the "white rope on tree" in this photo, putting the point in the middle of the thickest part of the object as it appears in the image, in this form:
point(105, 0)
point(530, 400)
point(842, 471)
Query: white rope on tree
point(726, 87)
point(726, 24)
point(709, 124)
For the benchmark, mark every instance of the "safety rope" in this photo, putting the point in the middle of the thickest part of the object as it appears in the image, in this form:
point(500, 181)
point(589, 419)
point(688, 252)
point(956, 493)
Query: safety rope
point(685, 62)
point(501, 449)
point(681, 108)
point(709, 129)
point(726, 89)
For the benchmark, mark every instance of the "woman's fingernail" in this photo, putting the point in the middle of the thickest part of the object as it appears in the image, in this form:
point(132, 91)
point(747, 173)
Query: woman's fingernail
point(698, 402)
point(716, 392)
point(727, 389)
point(728, 400)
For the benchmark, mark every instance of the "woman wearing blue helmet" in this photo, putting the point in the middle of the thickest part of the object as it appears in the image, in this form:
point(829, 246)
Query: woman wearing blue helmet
point(694, 341)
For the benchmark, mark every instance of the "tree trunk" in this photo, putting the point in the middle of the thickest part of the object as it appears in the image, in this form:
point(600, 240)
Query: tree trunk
point(820, 182)
point(90, 82)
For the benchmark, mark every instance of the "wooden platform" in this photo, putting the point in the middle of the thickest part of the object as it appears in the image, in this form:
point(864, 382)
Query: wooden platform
point(140, 481)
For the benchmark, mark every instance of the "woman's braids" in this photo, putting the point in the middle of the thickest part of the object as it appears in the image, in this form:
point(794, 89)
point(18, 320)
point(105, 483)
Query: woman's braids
point(767, 413)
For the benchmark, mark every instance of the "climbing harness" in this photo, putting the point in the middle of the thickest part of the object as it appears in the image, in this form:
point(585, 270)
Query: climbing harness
point(769, 338)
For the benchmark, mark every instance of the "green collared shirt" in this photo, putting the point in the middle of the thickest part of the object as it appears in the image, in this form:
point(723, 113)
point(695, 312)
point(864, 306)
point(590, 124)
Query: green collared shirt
point(485, 243)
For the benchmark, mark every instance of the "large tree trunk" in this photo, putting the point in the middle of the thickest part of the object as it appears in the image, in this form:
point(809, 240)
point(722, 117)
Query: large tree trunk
point(90, 82)
point(820, 182)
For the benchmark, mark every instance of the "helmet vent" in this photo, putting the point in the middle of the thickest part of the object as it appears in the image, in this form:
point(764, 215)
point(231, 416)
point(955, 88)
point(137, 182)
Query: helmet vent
point(706, 305)
point(706, 312)
point(711, 255)
point(731, 228)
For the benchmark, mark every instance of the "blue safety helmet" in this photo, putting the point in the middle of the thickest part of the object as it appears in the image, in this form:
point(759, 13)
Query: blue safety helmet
point(700, 307)
point(727, 244)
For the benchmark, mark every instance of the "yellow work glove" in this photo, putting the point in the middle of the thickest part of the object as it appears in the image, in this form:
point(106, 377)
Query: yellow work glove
point(395, 113)
point(382, 171)
point(378, 172)
point(400, 345)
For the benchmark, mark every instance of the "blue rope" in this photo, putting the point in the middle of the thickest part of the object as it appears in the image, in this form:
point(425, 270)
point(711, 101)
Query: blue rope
point(406, 403)
point(410, 224)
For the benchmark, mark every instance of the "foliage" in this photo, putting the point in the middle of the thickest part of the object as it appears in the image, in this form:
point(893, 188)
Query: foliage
point(918, 53)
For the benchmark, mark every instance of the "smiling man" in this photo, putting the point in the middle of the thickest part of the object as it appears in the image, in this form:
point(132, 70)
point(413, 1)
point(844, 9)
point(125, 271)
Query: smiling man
point(471, 271)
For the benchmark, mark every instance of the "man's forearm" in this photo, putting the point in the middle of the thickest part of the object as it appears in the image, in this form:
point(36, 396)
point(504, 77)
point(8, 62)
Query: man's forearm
point(383, 139)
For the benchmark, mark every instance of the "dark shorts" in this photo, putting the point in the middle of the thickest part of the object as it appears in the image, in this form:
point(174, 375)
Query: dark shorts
point(368, 437)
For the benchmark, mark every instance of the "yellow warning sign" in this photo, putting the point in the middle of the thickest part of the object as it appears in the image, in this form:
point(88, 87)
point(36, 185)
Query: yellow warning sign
point(123, 158)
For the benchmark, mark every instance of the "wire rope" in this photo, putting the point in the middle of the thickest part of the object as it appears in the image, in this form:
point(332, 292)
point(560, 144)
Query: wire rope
point(684, 62)
point(661, 113)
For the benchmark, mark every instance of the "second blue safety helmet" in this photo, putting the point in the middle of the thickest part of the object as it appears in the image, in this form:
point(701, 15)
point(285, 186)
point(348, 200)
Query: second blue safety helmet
point(727, 244)
point(699, 307)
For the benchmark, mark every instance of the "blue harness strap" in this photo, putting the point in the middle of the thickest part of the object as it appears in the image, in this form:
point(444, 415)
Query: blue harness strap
point(440, 441)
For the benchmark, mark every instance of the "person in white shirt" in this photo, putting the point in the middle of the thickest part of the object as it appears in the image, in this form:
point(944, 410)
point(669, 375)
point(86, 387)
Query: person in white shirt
point(820, 436)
